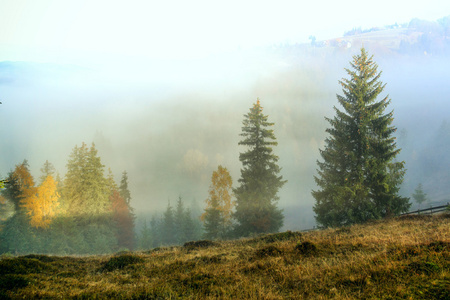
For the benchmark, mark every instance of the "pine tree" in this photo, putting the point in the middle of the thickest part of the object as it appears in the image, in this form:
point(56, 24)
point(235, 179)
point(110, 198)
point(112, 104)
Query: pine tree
point(419, 196)
point(86, 195)
point(217, 215)
point(358, 178)
point(19, 185)
point(256, 197)
point(179, 222)
point(86, 190)
point(168, 234)
point(123, 189)
point(145, 239)
point(190, 227)
point(126, 195)
point(155, 230)
point(46, 170)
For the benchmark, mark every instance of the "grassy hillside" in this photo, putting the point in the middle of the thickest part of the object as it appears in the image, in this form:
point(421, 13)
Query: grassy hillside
point(401, 258)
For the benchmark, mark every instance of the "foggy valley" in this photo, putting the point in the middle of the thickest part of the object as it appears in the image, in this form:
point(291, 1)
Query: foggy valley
point(170, 123)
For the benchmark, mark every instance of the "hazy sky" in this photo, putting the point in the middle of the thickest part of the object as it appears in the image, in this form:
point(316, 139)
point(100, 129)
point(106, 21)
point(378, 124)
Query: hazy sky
point(86, 31)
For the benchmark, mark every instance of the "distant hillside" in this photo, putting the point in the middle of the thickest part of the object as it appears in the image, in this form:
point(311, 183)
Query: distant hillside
point(417, 37)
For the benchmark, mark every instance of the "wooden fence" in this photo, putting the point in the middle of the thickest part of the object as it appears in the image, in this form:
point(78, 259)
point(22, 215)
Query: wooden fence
point(430, 210)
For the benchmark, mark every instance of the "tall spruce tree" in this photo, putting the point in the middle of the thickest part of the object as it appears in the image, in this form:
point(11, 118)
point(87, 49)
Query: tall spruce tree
point(256, 197)
point(359, 178)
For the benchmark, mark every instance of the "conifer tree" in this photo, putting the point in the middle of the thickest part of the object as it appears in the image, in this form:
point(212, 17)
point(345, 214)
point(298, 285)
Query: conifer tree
point(19, 185)
point(86, 189)
point(191, 229)
point(168, 227)
point(126, 195)
point(256, 197)
point(419, 196)
point(123, 189)
point(155, 230)
point(179, 222)
point(358, 178)
point(145, 238)
point(46, 170)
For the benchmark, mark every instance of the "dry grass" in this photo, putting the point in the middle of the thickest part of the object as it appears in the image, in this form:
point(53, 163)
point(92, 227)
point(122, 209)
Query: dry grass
point(402, 258)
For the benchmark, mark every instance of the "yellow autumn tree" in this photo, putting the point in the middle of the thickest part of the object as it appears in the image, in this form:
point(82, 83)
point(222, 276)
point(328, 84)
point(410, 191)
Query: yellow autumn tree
point(217, 215)
point(42, 205)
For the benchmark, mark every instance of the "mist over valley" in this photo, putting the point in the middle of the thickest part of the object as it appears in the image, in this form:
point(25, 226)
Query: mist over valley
point(170, 123)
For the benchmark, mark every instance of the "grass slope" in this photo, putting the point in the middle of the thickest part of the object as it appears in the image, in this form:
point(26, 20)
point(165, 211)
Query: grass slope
point(401, 258)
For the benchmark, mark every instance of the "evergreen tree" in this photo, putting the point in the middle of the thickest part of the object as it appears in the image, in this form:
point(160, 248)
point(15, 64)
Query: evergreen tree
point(123, 189)
point(145, 239)
point(19, 185)
point(358, 178)
point(419, 196)
point(256, 197)
point(191, 228)
point(86, 190)
point(179, 222)
point(46, 170)
point(86, 195)
point(168, 231)
point(155, 229)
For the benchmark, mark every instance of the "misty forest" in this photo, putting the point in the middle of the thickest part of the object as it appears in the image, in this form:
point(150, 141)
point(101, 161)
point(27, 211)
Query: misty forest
point(326, 134)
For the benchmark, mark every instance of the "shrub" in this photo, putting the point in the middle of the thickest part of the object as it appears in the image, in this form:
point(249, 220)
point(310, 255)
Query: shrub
point(122, 261)
point(306, 248)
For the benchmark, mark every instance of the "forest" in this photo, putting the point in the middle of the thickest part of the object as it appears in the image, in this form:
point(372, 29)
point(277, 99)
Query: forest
point(180, 139)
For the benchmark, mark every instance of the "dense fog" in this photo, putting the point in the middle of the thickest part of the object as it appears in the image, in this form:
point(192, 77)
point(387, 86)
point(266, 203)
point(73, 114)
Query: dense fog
point(170, 123)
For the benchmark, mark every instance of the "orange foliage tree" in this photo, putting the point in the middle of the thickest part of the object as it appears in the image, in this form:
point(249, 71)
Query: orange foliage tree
point(41, 203)
point(217, 215)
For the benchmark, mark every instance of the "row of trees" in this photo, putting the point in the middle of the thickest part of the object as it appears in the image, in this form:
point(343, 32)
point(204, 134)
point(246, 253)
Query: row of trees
point(176, 226)
point(358, 178)
point(87, 212)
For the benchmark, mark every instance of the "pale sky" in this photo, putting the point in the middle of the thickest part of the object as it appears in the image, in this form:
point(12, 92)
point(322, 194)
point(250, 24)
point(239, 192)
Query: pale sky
point(75, 31)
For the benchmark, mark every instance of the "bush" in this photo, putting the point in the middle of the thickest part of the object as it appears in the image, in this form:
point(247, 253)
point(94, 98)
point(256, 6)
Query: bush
point(267, 251)
point(307, 248)
point(121, 262)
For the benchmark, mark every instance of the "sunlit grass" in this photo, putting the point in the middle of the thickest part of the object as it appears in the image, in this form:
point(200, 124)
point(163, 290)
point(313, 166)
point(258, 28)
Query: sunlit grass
point(402, 258)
